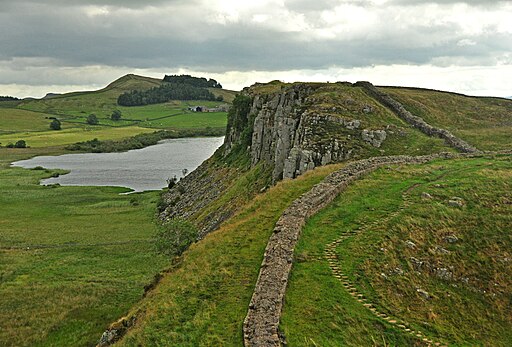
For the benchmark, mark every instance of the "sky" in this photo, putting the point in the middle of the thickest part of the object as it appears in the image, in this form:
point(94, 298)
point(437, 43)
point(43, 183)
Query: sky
point(67, 45)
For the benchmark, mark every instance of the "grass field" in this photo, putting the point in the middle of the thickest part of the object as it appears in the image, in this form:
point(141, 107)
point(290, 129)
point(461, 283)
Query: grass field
point(483, 122)
point(28, 119)
point(203, 300)
point(469, 307)
point(17, 120)
point(69, 136)
point(65, 273)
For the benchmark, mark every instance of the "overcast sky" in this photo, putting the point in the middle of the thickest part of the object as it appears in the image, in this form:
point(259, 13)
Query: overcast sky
point(65, 45)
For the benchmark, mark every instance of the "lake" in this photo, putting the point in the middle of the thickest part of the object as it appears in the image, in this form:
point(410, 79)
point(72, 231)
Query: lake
point(140, 169)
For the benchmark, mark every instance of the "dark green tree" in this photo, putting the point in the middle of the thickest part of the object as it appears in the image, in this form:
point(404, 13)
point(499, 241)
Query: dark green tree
point(92, 119)
point(116, 115)
point(55, 124)
point(20, 144)
point(175, 236)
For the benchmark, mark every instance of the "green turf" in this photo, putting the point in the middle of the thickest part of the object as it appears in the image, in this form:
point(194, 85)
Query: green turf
point(16, 120)
point(66, 274)
point(73, 135)
point(483, 122)
point(203, 300)
point(319, 311)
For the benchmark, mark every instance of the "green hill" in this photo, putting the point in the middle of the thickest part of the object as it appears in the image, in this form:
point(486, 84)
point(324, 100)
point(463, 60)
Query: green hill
point(25, 118)
point(292, 130)
point(406, 255)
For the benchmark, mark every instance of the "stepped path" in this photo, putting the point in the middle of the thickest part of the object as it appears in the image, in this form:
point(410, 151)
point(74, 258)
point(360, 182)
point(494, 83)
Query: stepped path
point(333, 260)
point(261, 325)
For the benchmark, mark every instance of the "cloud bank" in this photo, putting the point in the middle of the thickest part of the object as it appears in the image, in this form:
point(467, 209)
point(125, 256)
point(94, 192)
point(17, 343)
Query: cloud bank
point(62, 44)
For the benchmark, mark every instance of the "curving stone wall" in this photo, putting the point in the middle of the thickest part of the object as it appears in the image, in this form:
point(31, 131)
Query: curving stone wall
point(261, 325)
point(415, 121)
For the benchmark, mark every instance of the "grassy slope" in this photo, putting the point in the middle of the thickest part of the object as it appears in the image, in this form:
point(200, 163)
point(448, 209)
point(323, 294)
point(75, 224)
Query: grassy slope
point(483, 122)
point(349, 102)
point(75, 107)
point(16, 120)
point(203, 300)
point(69, 136)
point(27, 119)
point(319, 311)
point(68, 292)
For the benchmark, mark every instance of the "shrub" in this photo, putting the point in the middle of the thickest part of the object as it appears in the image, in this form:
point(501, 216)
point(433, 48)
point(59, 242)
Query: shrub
point(116, 115)
point(175, 236)
point(55, 124)
point(20, 144)
point(92, 119)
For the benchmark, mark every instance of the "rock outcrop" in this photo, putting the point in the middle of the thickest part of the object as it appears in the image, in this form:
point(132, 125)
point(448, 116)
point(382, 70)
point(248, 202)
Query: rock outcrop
point(415, 121)
point(293, 134)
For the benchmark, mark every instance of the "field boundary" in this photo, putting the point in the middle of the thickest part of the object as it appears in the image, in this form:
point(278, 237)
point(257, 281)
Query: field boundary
point(261, 324)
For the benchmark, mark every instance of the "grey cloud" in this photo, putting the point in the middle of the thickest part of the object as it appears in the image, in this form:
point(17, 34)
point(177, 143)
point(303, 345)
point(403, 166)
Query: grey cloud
point(55, 35)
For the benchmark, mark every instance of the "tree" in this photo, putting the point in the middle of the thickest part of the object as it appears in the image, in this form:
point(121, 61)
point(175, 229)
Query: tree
point(55, 124)
point(171, 182)
point(175, 236)
point(92, 119)
point(20, 144)
point(116, 115)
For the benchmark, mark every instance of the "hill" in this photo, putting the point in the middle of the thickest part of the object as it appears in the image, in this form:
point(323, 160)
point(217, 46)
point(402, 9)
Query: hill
point(402, 283)
point(28, 117)
point(334, 214)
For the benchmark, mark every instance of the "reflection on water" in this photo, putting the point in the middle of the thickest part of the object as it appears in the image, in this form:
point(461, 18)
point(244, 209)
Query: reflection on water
point(140, 169)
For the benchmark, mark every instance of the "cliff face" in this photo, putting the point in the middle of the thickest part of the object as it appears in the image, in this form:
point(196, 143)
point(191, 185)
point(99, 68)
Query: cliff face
point(299, 127)
point(279, 130)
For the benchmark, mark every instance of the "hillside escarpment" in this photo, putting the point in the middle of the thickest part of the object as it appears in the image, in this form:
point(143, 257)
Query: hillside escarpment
point(277, 131)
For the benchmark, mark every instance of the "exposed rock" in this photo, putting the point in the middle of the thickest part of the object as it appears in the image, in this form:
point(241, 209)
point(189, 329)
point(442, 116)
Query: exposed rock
point(443, 273)
point(415, 121)
point(426, 196)
point(451, 238)
point(410, 244)
point(441, 250)
point(116, 331)
point(423, 293)
point(374, 137)
point(367, 109)
point(456, 202)
point(397, 271)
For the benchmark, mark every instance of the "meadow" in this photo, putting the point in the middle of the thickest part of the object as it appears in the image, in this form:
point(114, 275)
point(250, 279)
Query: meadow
point(397, 223)
point(66, 274)
point(483, 122)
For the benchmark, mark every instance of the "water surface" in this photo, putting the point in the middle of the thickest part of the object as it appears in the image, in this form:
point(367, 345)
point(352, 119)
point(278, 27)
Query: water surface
point(139, 169)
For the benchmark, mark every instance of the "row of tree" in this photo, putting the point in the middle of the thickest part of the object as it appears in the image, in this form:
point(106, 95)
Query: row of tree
point(91, 119)
point(8, 98)
point(164, 93)
point(199, 82)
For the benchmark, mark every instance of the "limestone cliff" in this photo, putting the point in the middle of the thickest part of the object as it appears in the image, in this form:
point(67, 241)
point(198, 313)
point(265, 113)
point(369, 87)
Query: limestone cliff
point(279, 130)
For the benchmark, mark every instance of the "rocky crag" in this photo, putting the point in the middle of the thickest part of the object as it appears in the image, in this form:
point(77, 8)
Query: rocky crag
point(289, 129)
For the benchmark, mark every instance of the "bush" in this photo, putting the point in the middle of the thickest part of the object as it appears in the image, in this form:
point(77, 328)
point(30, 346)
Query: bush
point(18, 144)
point(92, 119)
point(55, 124)
point(116, 115)
point(175, 236)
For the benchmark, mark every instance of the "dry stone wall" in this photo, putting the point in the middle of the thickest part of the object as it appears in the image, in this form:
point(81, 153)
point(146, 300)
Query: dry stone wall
point(415, 121)
point(261, 325)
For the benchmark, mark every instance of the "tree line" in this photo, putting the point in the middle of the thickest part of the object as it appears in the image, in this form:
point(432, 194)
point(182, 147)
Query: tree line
point(164, 93)
point(199, 82)
point(8, 98)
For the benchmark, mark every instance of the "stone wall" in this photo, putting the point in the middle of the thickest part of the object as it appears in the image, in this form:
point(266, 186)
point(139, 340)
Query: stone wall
point(261, 324)
point(415, 121)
